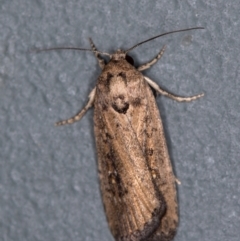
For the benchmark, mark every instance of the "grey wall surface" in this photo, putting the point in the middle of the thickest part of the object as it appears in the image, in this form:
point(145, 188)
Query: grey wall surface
point(48, 175)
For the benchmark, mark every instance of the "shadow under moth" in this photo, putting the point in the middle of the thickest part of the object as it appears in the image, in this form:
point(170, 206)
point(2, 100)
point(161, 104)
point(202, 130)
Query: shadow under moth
point(136, 177)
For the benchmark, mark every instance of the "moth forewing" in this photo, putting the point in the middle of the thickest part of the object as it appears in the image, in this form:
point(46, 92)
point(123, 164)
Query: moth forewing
point(161, 170)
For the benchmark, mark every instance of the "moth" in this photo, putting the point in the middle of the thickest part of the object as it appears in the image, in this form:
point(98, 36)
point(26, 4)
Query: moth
point(136, 177)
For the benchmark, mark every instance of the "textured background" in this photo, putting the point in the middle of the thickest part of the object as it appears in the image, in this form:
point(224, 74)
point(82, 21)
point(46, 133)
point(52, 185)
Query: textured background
point(48, 178)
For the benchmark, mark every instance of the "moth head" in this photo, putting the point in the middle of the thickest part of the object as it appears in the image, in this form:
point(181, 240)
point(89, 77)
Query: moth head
point(120, 54)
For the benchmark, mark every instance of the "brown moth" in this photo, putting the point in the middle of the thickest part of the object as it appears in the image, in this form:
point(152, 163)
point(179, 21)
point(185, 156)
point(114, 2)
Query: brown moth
point(136, 177)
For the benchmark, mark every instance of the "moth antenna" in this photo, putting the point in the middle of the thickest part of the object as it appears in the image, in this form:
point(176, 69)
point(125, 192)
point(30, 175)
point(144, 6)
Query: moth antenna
point(58, 48)
point(160, 35)
point(67, 48)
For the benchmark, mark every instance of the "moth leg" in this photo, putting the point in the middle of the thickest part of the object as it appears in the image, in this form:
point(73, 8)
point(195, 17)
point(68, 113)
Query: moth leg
point(153, 61)
point(174, 97)
point(101, 61)
point(178, 181)
point(79, 115)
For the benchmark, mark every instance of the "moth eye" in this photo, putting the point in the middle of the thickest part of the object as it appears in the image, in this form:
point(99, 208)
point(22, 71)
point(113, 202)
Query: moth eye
point(129, 59)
